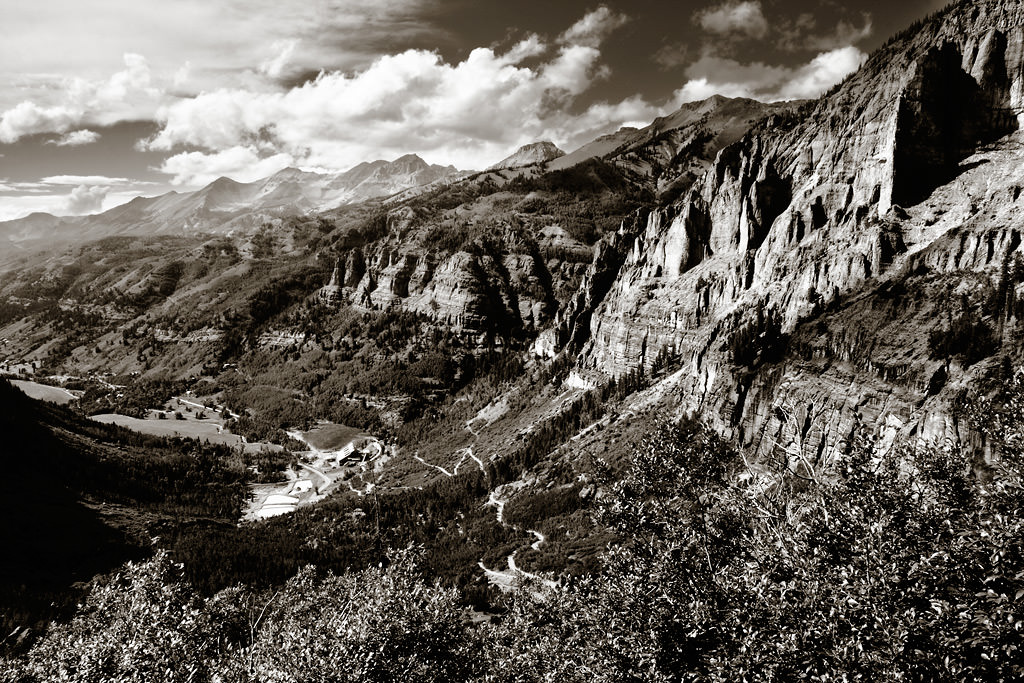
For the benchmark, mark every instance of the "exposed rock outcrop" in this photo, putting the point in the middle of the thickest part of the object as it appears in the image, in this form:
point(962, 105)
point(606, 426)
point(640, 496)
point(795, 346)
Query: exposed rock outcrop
point(806, 209)
point(330, 293)
point(469, 291)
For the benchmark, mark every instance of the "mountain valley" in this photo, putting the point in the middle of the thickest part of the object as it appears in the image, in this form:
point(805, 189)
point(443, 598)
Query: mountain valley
point(659, 362)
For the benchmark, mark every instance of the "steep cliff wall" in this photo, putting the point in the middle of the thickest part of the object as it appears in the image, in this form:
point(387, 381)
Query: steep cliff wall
point(806, 211)
point(500, 286)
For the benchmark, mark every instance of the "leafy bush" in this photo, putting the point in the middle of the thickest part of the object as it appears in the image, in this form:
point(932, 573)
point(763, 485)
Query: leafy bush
point(143, 625)
point(904, 568)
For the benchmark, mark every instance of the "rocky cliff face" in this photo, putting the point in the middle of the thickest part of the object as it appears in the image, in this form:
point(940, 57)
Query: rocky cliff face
point(533, 281)
point(807, 211)
point(502, 288)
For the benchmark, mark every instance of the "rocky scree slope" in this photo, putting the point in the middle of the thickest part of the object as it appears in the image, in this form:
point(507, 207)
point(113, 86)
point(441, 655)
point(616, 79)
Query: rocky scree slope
point(806, 211)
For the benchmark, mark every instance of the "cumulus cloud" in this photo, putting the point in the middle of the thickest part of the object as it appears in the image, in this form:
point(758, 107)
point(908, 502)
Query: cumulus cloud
point(243, 164)
point(733, 18)
point(593, 28)
point(466, 113)
point(76, 138)
point(129, 94)
point(29, 118)
point(85, 199)
point(711, 75)
point(822, 73)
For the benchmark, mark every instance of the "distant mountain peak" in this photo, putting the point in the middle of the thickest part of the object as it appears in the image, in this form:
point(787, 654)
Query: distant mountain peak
point(406, 163)
point(223, 181)
point(290, 173)
point(527, 155)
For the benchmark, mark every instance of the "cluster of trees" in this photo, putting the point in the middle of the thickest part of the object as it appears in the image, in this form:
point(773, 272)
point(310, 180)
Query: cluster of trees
point(898, 566)
point(84, 497)
point(759, 340)
point(9, 312)
point(128, 395)
point(447, 519)
point(72, 328)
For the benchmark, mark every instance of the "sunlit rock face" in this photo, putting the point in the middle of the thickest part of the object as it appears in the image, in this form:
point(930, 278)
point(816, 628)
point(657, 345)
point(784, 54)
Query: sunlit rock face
point(910, 166)
point(527, 155)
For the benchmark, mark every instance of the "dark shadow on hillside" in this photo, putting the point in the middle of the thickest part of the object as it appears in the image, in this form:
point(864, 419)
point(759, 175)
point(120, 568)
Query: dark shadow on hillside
point(945, 115)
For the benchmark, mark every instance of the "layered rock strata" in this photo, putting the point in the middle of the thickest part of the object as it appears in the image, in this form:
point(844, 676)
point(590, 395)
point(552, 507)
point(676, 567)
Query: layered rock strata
point(807, 209)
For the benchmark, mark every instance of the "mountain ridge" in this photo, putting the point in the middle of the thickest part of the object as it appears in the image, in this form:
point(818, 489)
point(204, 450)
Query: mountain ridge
point(759, 224)
point(219, 205)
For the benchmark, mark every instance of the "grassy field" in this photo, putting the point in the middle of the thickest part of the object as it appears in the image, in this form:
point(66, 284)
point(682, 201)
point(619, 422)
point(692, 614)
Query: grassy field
point(44, 392)
point(191, 429)
point(331, 437)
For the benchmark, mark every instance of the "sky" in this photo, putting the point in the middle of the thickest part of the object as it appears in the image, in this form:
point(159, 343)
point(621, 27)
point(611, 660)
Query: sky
point(105, 100)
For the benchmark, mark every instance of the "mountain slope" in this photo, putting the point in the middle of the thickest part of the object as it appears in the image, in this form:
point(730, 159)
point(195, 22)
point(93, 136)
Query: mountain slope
point(676, 149)
point(80, 498)
point(803, 215)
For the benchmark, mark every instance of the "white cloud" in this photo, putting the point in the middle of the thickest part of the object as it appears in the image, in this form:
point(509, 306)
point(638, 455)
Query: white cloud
point(76, 138)
point(28, 118)
point(822, 73)
point(129, 94)
point(466, 113)
point(734, 18)
point(89, 180)
point(593, 28)
point(243, 164)
point(284, 51)
point(531, 46)
point(716, 75)
point(85, 199)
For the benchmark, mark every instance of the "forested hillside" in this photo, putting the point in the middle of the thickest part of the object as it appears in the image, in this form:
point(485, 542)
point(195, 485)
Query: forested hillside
point(80, 498)
point(898, 568)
